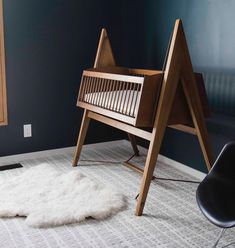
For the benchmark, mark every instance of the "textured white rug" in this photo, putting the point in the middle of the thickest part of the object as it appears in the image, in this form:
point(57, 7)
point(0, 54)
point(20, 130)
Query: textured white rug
point(49, 197)
point(171, 216)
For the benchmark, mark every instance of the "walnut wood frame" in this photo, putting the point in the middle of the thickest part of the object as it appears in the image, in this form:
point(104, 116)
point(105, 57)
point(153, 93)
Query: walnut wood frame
point(178, 81)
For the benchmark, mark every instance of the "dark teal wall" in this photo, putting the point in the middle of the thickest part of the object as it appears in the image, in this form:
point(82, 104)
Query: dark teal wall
point(209, 27)
point(210, 32)
point(48, 44)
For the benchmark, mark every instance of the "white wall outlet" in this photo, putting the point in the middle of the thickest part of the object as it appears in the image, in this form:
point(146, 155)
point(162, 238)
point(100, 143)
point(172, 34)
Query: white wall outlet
point(27, 130)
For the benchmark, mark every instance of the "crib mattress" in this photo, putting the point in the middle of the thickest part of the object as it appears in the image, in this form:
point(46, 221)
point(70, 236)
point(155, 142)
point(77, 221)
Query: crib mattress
point(121, 101)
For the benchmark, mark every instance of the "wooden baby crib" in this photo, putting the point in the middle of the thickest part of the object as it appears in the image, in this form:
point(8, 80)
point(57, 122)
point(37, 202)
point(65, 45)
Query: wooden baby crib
point(130, 99)
point(128, 95)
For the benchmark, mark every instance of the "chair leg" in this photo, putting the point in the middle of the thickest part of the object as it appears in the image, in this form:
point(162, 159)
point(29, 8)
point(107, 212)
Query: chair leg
point(81, 137)
point(133, 144)
point(220, 236)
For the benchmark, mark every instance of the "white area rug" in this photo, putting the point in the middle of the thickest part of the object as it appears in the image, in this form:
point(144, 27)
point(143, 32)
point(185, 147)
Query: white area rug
point(49, 197)
point(171, 216)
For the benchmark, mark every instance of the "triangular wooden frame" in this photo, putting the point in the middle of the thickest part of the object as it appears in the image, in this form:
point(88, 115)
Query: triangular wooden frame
point(104, 55)
point(178, 70)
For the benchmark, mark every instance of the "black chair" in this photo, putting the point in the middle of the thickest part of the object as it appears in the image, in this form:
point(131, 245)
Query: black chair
point(216, 193)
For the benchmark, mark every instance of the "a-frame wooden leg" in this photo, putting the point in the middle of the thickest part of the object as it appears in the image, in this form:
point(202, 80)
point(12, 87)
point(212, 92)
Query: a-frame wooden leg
point(169, 86)
point(154, 147)
point(151, 160)
point(133, 144)
point(195, 108)
point(81, 136)
point(194, 103)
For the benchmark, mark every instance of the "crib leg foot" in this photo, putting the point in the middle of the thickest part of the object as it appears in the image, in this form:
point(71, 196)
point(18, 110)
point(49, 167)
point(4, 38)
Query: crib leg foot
point(147, 177)
point(81, 136)
point(133, 144)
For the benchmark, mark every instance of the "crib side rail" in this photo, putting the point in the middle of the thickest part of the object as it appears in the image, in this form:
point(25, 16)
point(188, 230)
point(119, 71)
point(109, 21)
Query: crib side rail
point(113, 92)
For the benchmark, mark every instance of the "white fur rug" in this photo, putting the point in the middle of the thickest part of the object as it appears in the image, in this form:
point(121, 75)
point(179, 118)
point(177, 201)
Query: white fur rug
point(49, 197)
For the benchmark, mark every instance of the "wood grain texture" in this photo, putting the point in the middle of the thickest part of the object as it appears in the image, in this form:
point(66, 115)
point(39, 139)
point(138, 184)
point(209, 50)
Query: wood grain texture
point(133, 144)
point(178, 71)
point(81, 136)
point(104, 54)
point(169, 86)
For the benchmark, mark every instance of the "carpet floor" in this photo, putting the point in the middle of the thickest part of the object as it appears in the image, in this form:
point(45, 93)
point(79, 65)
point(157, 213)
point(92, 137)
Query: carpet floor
point(171, 216)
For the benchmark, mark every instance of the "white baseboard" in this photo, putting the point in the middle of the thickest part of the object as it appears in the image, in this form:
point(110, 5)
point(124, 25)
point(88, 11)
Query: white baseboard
point(32, 155)
point(24, 156)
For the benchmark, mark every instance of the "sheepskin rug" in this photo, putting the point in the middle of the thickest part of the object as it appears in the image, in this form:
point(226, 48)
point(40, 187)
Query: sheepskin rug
point(48, 197)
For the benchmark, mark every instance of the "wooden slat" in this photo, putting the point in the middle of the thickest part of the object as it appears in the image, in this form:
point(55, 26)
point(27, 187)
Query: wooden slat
point(93, 90)
point(133, 167)
point(89, 88)
point(124, 97)
point(112, 94)
point(128, 100)
point(118, 77)
point(109, 94)
point(119, 96)
point(101, 90)
point(86, 84)
point(96, 89)
point(107, 112)
point(144, 72)
point(184, 128)
point(137, 100)
point(115, 95)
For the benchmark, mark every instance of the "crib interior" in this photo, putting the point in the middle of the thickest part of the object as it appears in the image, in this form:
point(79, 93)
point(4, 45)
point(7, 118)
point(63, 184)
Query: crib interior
point(129, 95)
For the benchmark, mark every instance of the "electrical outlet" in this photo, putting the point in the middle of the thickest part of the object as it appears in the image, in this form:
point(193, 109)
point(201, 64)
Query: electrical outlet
point(27, 130)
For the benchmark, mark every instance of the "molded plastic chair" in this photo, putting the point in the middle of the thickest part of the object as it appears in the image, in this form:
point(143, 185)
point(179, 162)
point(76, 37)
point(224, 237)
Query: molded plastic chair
point(216, 193)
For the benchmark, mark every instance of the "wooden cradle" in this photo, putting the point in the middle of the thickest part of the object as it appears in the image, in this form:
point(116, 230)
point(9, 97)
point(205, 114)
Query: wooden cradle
point(129, 99)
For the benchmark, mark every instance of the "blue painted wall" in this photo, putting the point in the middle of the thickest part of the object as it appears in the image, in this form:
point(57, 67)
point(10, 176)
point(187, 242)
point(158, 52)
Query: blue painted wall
point(48, 44)
point(209, 27)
